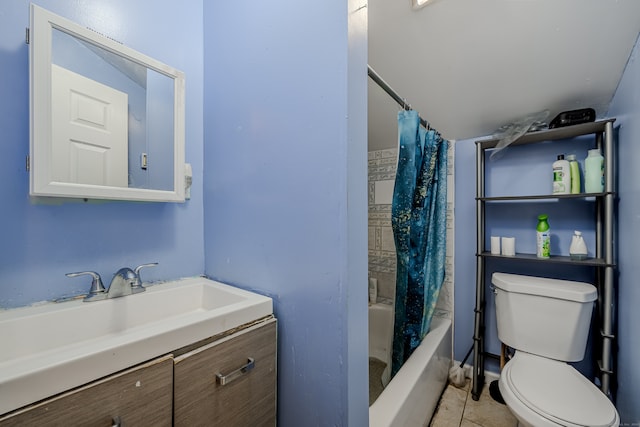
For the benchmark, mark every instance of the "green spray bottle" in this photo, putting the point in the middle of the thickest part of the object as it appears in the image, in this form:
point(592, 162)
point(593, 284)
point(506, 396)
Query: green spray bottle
point(543, 238)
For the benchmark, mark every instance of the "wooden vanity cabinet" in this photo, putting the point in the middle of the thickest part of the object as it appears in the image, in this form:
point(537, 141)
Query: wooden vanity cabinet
point(227, 380)
point(140, 396)
point(230, 382)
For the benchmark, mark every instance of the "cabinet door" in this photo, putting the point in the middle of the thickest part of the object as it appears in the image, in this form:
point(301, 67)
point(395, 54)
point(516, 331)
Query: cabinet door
point(247, 397)
point(140, 396)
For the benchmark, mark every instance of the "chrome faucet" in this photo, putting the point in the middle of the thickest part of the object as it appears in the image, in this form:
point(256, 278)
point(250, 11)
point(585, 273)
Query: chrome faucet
point(97, 291)
point(137, 285)
point(122, 282)
point(125, 282)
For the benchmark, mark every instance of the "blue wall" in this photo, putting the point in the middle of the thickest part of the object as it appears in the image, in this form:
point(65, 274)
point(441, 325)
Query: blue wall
point(626, 108)
point(40, 242)
point(285, 189)
point(465, 248)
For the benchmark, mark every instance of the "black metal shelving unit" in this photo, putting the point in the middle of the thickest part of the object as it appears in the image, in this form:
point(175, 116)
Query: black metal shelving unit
point(603, 262)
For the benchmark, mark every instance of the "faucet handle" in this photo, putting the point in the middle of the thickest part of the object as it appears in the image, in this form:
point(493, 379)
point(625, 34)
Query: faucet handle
point(97, 291)
point(137, 285)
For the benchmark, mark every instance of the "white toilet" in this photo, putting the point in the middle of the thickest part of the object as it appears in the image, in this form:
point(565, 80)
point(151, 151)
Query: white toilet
point(547, 322)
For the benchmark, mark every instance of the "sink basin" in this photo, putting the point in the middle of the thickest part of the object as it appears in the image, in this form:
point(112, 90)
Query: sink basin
point(54, 347)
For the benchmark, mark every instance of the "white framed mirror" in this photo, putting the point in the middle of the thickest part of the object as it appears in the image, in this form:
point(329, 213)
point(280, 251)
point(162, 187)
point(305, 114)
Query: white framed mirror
point(106, 121)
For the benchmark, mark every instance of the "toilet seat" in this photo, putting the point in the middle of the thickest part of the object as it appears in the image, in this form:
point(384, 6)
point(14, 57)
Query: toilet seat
point(557, 392)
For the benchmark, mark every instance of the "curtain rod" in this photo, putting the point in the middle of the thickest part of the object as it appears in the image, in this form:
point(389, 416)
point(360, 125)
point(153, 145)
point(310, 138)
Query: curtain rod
point(392, 93)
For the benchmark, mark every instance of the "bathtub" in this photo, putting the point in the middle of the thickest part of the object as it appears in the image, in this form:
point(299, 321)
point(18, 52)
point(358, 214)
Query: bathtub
point(413, 393)
point(381, 334)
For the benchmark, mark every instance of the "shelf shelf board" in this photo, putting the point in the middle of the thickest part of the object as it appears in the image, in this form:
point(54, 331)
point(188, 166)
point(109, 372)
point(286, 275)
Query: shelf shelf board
point(544, 197)
point(594, 262)
point(566, 132)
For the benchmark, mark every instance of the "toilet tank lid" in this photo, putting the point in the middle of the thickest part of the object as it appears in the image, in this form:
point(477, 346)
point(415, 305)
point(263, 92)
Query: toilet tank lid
point(552, 288)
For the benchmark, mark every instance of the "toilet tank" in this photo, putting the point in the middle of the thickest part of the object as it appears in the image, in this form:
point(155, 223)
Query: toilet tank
point(547, 317)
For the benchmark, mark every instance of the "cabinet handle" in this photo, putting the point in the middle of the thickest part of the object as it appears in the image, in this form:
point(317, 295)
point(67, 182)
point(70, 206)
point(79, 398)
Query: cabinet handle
point(226, 379)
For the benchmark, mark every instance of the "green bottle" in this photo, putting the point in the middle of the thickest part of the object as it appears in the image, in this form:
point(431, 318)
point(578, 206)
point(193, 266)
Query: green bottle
point(543, 238)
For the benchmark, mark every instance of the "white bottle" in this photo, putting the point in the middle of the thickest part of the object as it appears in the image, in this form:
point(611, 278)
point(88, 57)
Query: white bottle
point(373, 290)
point(578, 248)
point(561, 176)
point(594, 172)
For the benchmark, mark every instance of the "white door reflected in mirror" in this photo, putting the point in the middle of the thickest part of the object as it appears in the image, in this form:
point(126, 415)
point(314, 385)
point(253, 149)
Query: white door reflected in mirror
point(89, 130)
point(97, 108)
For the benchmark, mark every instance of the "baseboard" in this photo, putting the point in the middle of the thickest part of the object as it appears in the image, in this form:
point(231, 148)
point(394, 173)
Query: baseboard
point(468, 370)
point(490, 376)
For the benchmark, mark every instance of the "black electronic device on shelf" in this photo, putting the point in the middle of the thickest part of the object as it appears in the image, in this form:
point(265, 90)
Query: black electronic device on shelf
point(573, 117)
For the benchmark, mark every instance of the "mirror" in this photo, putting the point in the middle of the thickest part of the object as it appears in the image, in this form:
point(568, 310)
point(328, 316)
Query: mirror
point(107, 122)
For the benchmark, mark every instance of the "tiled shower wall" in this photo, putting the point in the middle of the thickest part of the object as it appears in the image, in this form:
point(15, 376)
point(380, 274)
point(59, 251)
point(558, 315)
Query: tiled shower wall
point(382, 254)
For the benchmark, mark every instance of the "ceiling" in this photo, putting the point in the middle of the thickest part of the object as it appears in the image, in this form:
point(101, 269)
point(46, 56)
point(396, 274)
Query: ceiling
point(470, 66)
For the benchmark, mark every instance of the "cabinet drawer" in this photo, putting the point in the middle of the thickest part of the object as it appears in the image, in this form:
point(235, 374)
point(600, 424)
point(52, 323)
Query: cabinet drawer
point(247, 397)
point(139, 396)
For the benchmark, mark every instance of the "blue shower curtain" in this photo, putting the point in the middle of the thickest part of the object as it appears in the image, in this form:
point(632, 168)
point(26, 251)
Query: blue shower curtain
point(418, 219)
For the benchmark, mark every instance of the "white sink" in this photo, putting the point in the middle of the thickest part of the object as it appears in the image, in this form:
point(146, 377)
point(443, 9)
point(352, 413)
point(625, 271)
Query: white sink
point(53, 347)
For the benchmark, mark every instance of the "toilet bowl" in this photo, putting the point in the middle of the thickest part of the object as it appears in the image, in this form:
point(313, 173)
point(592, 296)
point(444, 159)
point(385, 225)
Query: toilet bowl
point(542, 392)
point(547, 322)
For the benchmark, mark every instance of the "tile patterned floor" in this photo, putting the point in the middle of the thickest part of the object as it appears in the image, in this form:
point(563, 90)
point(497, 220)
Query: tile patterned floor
point(457, 408)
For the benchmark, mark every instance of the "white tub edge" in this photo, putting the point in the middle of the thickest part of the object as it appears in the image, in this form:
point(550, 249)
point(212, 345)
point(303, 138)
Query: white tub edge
point(412, 395)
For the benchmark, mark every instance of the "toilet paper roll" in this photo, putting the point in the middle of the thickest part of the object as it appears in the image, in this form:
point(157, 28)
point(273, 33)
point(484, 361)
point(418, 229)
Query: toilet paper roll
point(508, 246)
point(495, 245)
